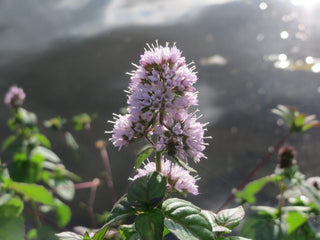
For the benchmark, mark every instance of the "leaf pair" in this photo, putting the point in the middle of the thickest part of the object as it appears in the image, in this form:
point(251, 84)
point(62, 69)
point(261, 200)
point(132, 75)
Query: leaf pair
point(252, 188)
point(182, 218)
point(143, 195)
point(296, 121)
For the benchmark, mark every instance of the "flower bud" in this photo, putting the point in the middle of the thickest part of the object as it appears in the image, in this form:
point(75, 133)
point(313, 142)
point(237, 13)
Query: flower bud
point(287, 156)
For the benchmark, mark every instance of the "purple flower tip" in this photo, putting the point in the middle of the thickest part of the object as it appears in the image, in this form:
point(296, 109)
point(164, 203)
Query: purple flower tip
point(14, 97)
point(160, 94)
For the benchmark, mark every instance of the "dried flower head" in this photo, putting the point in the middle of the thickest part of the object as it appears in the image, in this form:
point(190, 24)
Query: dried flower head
point(287, 156)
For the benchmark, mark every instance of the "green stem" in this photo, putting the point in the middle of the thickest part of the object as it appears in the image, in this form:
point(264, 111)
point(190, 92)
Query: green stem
point(158, 161)
point(36, 214)
point(219, 235)
point(149, 139)
point(281, 200)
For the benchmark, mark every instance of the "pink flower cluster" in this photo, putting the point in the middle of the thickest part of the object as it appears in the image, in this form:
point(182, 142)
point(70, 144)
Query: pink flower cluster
point(178, 179)
point(160, 93)
point(14, 97)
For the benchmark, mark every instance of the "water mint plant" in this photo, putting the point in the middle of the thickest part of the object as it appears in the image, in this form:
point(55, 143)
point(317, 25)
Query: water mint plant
point(161, 113)
point(34, 182)
point(298, 198)
point(160, 94)
point(298, 203)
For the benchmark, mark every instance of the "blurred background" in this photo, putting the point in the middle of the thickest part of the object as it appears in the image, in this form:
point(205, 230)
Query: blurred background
point(71, 56)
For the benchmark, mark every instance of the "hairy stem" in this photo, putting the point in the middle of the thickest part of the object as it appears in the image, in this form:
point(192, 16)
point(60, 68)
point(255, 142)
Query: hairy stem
point(109, 178)
point(158, 161)
point(90, 207)
point(281, 200)
point(149, 139)
point(36, 215)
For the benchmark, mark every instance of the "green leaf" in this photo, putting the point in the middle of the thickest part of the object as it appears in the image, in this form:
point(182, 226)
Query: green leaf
point(286, 113)
point(26, 171)
point(120, 210)
point(102, 217)
point(32, 234)
point(80, 121)
point(129, 232)
point(37, 158)
point(99, 235)
point(296, 121)
point(7, 142)
point(62, 212)
point(212, 219)
point(42, 139)
point(11, 228)
point(266, 210)
point(147, 191)
point(142, 155)
point(310, 125)
point(71, 142)
point(47, 153)
point(305, 232)
point(11, 124)
point(301, 209)
point(184, 165)
point(25, 117)
point(50, 165)
point(63, 187)
point(186, 221)
point(310, 192)
point(20, 156)
point(295, 220)
point(165, 231)
point(4, 198)
point(236, 238)
point(150, 225)
point(248, 193)
point(55, 123)
point(45, 232)
point(299, 120)
point(263, 227)
point(32, 191)
point(4, 177)
point(230, 217)
point(69, 236)
point(13, 207)
point(86, 236)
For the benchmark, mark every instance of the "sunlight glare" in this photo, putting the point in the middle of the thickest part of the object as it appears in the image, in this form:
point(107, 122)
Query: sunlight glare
point(282, 64)
point(309, 60)
point(282, 57)
point(306, 3)
point(263, 6)
point(284, 34)
point(316, 68)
